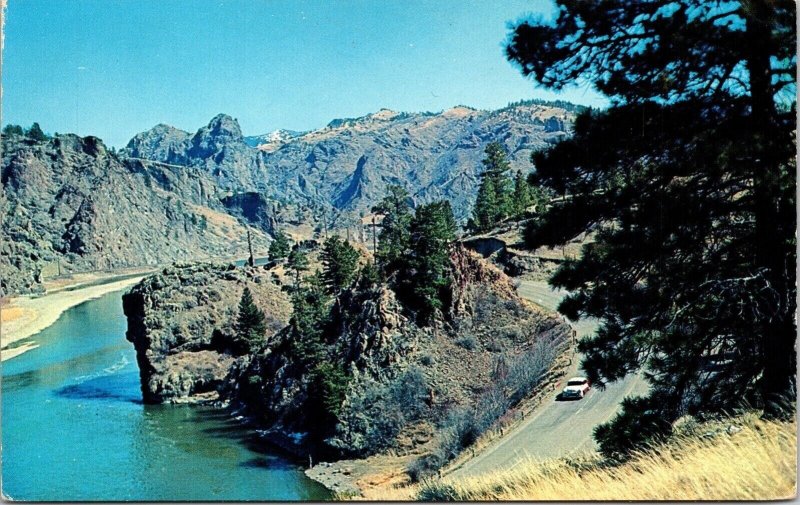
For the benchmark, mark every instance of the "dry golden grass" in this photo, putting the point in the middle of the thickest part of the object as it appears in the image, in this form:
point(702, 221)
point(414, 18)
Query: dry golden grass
point(758, 462)
point(754, 460)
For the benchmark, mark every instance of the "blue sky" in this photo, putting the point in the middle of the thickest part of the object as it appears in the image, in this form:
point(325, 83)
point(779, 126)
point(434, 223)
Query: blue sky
point(113, 68)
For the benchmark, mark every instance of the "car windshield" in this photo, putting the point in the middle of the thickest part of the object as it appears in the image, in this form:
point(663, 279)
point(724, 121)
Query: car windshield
point(575, 383)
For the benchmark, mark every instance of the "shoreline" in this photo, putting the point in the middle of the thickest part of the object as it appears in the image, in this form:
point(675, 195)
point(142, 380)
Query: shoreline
point(24, 316)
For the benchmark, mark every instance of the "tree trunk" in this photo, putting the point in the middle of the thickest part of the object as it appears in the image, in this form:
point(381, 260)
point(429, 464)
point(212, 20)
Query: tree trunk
point(777, 330)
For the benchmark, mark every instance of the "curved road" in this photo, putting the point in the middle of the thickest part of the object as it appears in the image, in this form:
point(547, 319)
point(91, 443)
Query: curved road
point(555, 428)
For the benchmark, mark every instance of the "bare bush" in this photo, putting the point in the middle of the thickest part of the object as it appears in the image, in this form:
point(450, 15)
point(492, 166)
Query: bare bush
point(514, 379)
point(525, 372)
point(370, 421)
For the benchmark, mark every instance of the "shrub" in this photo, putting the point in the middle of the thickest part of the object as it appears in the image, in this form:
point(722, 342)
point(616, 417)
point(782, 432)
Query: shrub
point(438, 493)
point(468, 342)
point(424, 467)
point(494, 345)
point(372, 419)
point(526, 370)
point(426, 359)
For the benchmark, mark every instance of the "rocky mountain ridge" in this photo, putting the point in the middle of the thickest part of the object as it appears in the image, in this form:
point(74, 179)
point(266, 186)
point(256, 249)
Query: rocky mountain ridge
point(341, 169)
point(71, 204)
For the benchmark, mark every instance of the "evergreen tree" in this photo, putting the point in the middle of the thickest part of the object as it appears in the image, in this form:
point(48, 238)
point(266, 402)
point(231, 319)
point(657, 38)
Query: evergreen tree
point(497, 167)
point(326, 393)
point(368, 276)
point(540, 196)
point(340, 263)
point(689, 180)
point(12, 130)
point(35, 132)
point(522, 195)
point(251, 326)
point(297, 262)
point(394, 237)
point(494, 201)
point(279, 248)
point(309, 319)
point(432, 232)
point(485, 211)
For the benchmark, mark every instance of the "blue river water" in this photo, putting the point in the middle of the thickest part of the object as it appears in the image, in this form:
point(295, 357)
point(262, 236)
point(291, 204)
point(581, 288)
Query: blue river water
point(74, 428)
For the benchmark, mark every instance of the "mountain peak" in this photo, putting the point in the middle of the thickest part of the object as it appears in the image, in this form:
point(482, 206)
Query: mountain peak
point(223, 125)
point(383, 114)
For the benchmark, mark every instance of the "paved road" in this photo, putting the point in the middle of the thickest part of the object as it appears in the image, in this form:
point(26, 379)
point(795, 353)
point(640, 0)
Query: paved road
point(556, 428)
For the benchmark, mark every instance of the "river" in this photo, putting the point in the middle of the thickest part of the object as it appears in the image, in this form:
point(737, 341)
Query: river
point(74, 428)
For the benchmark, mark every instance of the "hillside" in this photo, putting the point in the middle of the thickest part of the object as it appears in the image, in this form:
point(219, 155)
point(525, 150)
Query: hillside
point(70, 204)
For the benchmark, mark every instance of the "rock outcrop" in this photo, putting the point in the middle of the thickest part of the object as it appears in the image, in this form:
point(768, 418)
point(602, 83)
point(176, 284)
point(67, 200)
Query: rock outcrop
point(396, 375)
point(181, 322)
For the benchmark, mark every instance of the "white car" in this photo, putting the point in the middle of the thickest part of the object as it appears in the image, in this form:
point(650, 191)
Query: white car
point(577, 387)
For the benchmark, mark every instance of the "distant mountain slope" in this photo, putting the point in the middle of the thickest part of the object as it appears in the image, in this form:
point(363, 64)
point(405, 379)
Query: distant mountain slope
point(70, 201)
point(172, 195)
point(344, 167)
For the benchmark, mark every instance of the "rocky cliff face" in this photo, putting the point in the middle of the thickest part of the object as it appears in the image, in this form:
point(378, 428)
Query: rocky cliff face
point(218, 149)
point(181, 322)
point(71, 204)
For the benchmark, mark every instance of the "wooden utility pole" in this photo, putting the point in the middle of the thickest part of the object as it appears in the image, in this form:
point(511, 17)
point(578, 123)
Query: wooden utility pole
point(252, 259)
point(374, 237)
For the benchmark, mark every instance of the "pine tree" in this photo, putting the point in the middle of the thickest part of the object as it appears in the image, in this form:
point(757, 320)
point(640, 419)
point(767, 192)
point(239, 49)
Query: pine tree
point(280, 247)
point(497, 167)
point(494, 201)
point(522, 195)
point(35, 132)
point(432, 232)
point(689, 181)
point(251, 325)
point(11, 130)
point(368, 276)
point(340, 263)
point(309, 318)
point(297, 262)
point(394, 237)
point(485, 211)
point(326, 393)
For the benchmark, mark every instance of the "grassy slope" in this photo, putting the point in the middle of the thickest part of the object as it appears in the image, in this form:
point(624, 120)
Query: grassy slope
point(742, 458)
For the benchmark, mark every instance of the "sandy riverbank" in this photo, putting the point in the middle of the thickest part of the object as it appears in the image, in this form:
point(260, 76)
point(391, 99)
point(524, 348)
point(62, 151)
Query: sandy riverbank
point(24, 316)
